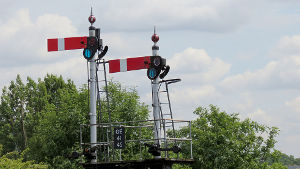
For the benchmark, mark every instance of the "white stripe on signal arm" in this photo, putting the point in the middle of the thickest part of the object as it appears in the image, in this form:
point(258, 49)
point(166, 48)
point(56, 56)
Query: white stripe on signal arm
point(123, 65)
point(61, 44)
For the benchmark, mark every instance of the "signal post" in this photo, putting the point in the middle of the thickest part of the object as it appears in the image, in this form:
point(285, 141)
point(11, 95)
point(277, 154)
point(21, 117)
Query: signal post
point(90, 52)
point(153, 74)
point(91, 44)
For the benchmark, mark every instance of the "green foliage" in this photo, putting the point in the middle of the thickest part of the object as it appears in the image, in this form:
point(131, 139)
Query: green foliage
point(39, 122)
point(58, 129)
point(124, 104)
point(13, 114)
point(180, 166)
point(289, 160)
point(277, 166)
point(42, 119)
point(60, 162)
point(222, 140)
point(1, 149)
point(15, 160)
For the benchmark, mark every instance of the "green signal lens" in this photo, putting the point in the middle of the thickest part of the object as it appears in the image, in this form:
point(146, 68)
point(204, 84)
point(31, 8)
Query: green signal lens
point(88, 53)
point(152, 73)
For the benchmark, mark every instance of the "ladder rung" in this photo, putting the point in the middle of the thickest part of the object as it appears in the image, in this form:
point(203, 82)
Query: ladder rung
point(101, 80)
point(166, 114)
point(102, 91)
point(169, 122)
point(168, 126)
point(163, 91)
point(164, 103)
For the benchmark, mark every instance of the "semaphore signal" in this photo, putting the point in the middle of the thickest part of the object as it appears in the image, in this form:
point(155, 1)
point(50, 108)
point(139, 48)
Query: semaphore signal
point(157, 68)
point(91, 45)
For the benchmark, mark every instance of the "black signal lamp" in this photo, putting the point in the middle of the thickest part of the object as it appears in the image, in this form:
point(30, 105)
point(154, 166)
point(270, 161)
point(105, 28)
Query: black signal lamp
point(91, 47)
point(152, 73)
point(157, 64)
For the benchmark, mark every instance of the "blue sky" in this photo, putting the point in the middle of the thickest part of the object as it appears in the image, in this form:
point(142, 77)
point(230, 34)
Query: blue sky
point(243, 56)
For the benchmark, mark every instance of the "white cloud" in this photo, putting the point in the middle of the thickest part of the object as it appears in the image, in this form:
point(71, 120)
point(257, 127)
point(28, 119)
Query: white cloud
point(294, 104)
point(196, 65)
point(195, 95)
point(288, 46)
point(281, 73)
point(125, 45)
point(199, 15)
point(73, 68)
point(245, 103)
point(261, 116)
point(23, 47)
point(289, 144)
point(15, 24)
point(251, 80)
point(24, 42)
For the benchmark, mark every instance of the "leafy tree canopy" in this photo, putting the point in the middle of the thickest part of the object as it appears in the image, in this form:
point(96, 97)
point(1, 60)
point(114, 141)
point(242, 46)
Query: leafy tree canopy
point(222, 140)
point(15, 160)
point(289, 160)
point(44, 117)
point(39, 123)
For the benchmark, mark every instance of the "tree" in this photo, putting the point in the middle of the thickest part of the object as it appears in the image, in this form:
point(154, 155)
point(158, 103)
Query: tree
point(39, 122)
point(15, 160)
point(289, 160)
point(125, 104)
point(57, 130)
point(222, 140)
point(43, 118)
point(13, 117)
point(20, 109)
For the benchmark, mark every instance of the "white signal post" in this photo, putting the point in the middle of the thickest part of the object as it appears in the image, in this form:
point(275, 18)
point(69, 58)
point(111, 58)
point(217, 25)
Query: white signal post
point(71, 43)
point(155, 102)
point(92, 81)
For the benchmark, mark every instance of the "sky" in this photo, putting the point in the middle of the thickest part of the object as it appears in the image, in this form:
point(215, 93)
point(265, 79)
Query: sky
point(241, 55)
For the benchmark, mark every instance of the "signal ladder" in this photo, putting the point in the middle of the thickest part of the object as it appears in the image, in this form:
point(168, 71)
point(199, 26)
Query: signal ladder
point(105, 132)
point(167, 122)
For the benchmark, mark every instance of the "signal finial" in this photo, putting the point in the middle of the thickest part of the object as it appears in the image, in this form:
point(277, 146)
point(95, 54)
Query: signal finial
point(155, 37)
point(92, 18)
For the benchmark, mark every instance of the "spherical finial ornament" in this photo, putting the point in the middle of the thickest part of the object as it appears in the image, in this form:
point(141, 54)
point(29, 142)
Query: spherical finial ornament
point(155, 38)
point(92, 19)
